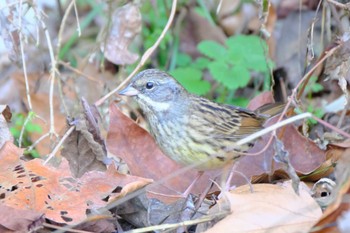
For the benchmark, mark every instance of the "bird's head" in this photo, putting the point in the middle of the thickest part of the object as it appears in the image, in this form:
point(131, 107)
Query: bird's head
point(154, 90)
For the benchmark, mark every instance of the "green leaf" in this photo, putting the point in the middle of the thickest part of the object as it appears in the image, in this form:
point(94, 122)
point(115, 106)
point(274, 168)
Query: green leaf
point(316, 87)
point(231, 77)
point(212, 49)
point(31, 128)
point(219, 70)
point(240, 77)
point(201, 63)
point(35, 154)
point(191, 79)
point(183, 59)
point(248, 51)
point(15, 132)
point(204, 11)
point(239, 101)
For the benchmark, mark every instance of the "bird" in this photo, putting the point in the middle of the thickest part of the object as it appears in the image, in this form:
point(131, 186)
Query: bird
point(191, 129)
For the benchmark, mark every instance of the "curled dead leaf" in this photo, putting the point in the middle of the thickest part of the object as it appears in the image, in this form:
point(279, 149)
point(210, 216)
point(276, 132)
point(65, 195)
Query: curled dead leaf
point(126, 24)
point(85, 148)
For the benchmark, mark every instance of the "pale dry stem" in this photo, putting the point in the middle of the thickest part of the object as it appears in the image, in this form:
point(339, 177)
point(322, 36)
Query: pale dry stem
point(24, 64)
point(58, 146)
point(341, 5)
point(54, 70)
point(170, 226)
point(90, 78)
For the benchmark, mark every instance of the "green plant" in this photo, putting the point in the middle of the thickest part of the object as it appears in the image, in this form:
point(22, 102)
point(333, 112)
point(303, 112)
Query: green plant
point(230, 65)
point(154, 20)
point(18, 122)
point(313, 87)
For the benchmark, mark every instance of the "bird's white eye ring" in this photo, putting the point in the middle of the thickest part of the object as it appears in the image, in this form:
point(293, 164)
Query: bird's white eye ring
point(149, 85)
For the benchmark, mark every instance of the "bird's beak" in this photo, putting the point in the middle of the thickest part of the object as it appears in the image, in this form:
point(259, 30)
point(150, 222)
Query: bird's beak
point(129, 91)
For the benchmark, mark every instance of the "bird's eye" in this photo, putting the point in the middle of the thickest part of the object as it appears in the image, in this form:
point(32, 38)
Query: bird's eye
point(149, 85)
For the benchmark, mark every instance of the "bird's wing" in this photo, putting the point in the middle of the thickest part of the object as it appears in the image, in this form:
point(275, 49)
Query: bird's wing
point(225, 121)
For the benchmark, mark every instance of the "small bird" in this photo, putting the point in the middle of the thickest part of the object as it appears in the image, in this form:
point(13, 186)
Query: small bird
point(191, 129)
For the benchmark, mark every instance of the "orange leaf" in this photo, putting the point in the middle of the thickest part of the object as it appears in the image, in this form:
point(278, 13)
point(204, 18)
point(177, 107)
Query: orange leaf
point(53, 191)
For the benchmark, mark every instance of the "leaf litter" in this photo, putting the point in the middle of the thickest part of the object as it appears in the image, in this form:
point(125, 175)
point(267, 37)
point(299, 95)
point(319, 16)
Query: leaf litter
point(89, 184)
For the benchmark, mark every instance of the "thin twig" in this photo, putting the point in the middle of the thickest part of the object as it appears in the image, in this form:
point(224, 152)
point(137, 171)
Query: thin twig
point(180, 224)
point(53, 72)
point(23, 57)
point(65, 229)
point(272, 128)
point(31, 147)
point(77, 17)
point(26, 121)
point(62, 26)
point(145, 56)
point(57, 147)
point(24, 64)
point(339, 131)
point(338, 4)
point(68, 66)
point(58, 47)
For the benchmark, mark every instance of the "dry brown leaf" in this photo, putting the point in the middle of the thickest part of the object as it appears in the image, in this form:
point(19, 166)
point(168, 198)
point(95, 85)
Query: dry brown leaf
point(73, 87)
point(11, 34)
point(54, 192)
point(6, 112)
point(237, 17)
point(41, 107)
point(16, 220)
point(98, 226)
point(304, 154)
point(137, 148)
point(291, 44)
point(260, 100)
point(269, 208)
point(39, 87)
point(126, 24)
point(196, 29)
point(85, 148)
point(5, 116)
point(143, 211)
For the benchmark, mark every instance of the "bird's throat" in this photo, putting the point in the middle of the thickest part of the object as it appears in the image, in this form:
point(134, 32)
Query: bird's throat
point(156, 106)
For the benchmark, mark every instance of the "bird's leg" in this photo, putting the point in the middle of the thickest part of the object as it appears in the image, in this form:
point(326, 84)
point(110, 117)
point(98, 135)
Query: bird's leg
point(190, 187)
point(229, 170)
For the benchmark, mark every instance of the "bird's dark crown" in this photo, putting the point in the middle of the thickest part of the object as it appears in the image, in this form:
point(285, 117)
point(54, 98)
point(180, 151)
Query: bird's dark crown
point(157, 85)
point(157, 92)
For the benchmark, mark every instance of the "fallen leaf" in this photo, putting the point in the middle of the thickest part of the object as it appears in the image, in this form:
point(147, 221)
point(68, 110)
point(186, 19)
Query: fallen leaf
point(126, 24)
point(268, 208)
point(260, 100)
point(196, 29)
point(85, 148)
point(17, 220)
point(54, 192)
point(305, 157)
point(5, 116)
